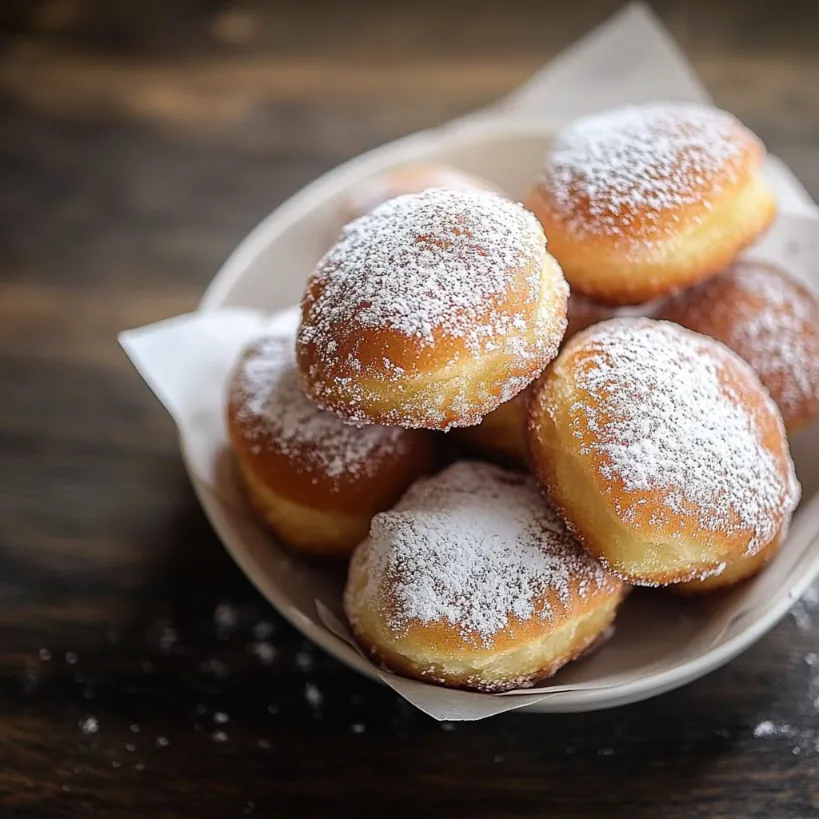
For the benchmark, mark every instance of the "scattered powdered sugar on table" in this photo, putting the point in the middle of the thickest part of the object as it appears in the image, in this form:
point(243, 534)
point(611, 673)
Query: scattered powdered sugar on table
point(768, 319)
point(264, 650)
point(802, 730)
point(271, 403)
point(313, 695)
point(474, 547)
point(804, 609)
point(263, 630)
point(766, 729)
point(225, 618)
point(89, 725)
point(659, 415)
point(421, 263)
point(634, 166)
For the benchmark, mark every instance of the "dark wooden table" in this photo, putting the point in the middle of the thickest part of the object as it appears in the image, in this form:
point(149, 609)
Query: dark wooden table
point(141, 675)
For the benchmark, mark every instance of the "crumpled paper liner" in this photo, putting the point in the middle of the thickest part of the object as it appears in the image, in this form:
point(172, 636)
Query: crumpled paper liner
point(660, 641)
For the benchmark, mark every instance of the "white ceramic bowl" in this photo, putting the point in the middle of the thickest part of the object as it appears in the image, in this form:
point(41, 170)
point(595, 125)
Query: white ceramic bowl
point(268, 271)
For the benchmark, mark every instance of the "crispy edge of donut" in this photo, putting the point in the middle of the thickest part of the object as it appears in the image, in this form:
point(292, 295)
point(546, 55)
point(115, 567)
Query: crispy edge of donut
point(736, 572)
point(497, 437)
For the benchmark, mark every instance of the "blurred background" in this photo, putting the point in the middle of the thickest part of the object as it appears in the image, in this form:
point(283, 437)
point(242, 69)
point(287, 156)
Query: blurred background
point(140, 140)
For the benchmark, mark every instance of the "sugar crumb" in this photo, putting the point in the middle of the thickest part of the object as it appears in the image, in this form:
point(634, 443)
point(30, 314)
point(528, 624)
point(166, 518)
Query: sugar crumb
point(265, 651)
point(226, 618)
point(89, 725)
point(312, 694)
point(304, 661)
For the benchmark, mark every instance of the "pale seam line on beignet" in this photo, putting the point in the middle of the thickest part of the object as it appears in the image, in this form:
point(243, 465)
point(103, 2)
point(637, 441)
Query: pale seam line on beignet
point(737, 571)
point(312, 530)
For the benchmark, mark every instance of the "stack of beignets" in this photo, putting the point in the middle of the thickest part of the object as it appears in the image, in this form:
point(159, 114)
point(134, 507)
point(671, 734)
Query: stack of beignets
point(659, 456)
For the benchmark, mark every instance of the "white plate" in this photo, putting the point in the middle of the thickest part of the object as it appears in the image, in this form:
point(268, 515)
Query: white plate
point(268, 271)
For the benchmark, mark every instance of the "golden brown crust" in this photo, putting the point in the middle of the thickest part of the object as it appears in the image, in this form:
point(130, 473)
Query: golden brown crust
point(301, 477)
point(551, 662)
point(624, 511)
point(309, 531)
point(634, 243)
point(431, 312)
point(768, 319)
point(501, 435)
point(467, 612)
point(321, 467)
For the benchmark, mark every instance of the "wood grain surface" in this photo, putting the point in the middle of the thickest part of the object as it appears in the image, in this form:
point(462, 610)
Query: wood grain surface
point(141, 675)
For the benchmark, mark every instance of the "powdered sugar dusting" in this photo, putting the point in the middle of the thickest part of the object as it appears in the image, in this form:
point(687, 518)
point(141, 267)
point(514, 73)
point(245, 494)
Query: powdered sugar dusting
point(626, 170)
point(266, 388)
point(659, 414)
point(769, 320)
point(420, 263)
point(474, 547)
